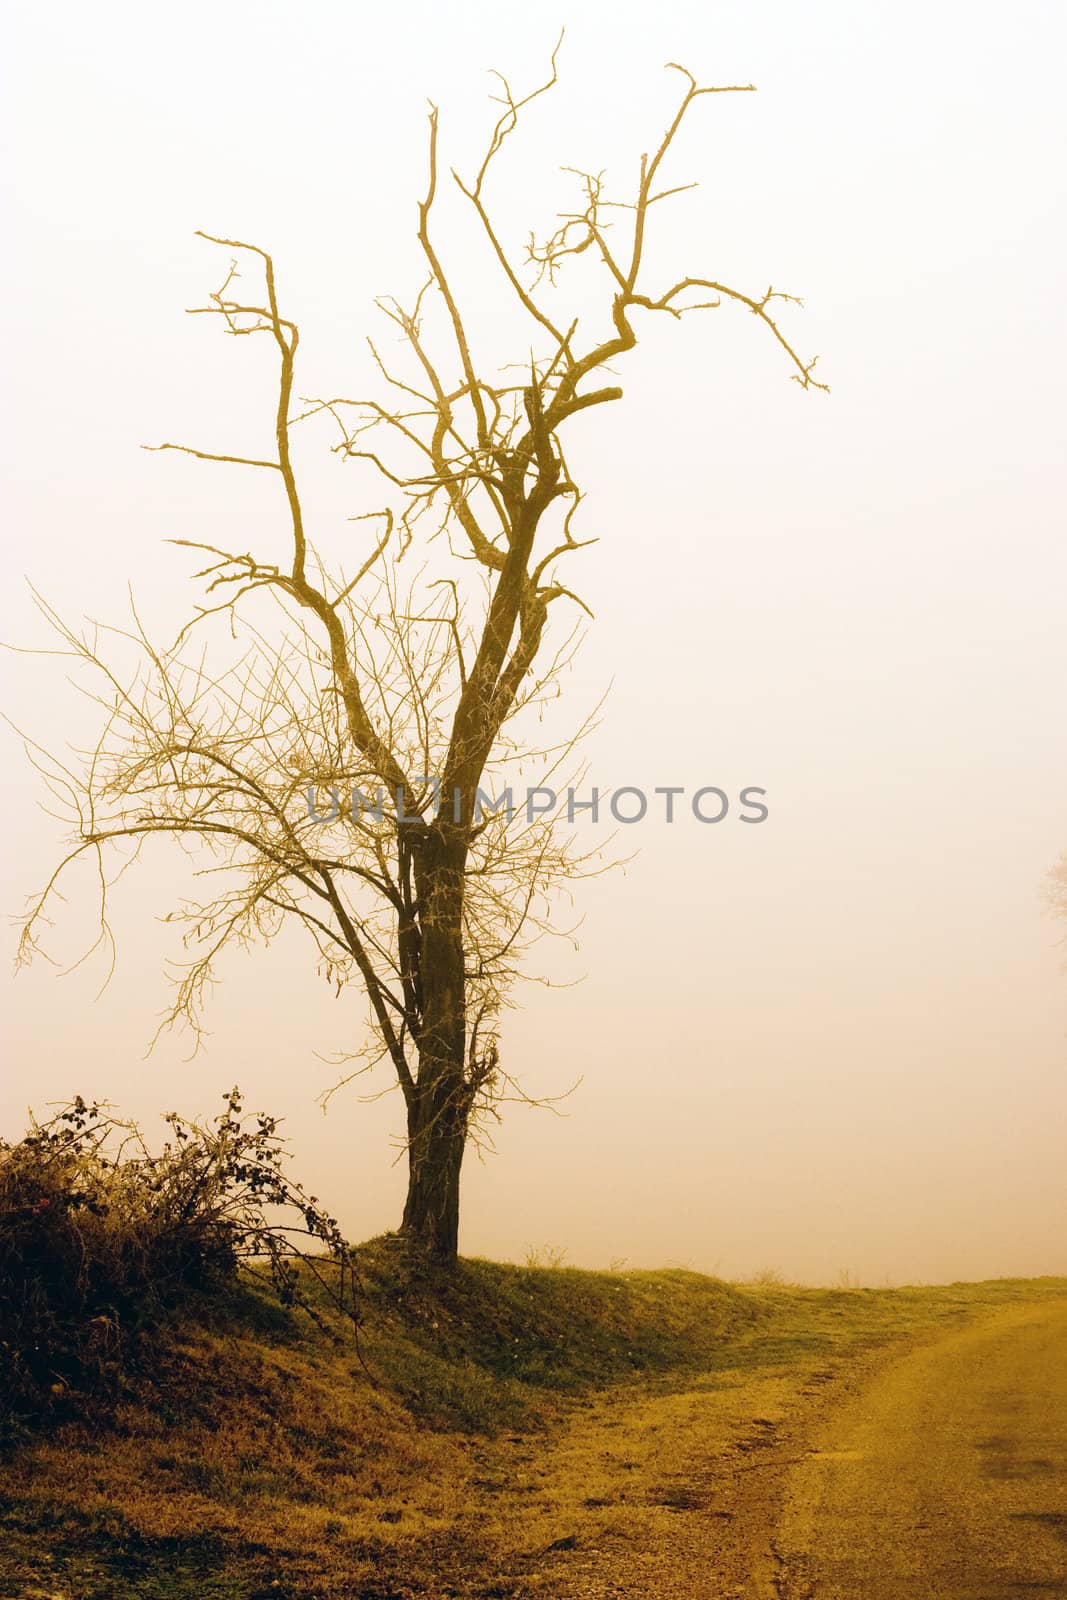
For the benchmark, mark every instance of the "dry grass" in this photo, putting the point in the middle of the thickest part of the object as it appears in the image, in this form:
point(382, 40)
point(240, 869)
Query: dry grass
point(512, 1409)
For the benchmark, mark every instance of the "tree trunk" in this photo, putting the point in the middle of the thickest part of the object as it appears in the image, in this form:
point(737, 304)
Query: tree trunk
point(435, 1157)
point(439, 1108)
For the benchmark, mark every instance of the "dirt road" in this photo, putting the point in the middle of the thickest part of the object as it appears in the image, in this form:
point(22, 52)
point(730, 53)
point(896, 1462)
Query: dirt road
point(944, 1479)
point(932, 1466)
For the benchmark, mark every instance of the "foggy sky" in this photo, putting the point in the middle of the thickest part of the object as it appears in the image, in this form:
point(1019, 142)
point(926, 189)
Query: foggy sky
point(831, 1042)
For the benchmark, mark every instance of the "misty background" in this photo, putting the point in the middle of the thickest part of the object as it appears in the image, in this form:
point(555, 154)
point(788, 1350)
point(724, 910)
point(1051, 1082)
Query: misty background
point(834, 1042)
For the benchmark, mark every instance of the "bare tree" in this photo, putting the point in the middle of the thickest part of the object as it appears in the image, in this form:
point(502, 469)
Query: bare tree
point(403, 689)
point(1057, 888)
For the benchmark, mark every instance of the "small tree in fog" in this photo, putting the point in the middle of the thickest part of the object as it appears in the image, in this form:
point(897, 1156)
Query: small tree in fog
point(1057, 888)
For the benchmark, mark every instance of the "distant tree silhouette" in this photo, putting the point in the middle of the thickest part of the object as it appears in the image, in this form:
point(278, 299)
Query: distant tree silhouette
point(1057, 887)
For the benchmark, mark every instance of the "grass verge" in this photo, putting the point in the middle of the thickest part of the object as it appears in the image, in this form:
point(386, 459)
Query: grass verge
point(262, 1459)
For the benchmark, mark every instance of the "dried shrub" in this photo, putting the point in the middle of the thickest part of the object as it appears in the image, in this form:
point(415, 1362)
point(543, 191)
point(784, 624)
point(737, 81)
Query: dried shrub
point(99, 1237)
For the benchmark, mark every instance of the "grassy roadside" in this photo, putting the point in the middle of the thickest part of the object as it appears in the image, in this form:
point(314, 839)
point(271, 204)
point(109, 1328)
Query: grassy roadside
point(507, 1407)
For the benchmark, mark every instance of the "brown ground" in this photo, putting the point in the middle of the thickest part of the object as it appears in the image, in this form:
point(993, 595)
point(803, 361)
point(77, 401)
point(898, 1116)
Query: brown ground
point(858, 1445)
point(946, 1476)
point(932, 1470)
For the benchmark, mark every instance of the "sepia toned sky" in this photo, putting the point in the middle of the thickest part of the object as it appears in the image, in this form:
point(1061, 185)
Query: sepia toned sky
point(834, 1042)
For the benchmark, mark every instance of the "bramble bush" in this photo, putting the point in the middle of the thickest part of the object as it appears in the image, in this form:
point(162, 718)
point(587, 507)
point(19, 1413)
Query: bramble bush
point(99, 1237)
